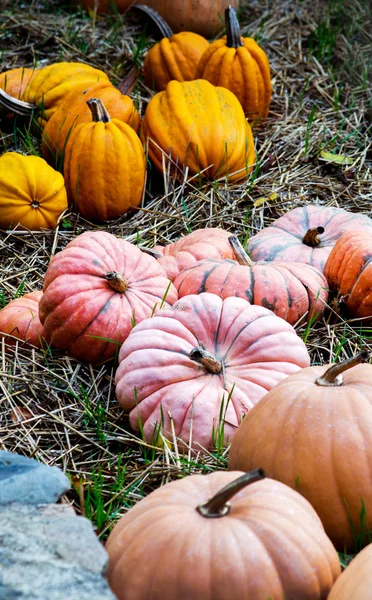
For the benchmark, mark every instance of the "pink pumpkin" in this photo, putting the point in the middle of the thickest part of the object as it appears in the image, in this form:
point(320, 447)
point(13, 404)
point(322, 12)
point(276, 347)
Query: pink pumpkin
point(19, 319)
point(202, 357)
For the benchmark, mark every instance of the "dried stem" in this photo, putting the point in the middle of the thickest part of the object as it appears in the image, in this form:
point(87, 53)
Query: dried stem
point(240, 254)
point(98, 110)
point(233, 36)
point(333, 375)
point(311, 236)
point(117, 281)
point(205, 358)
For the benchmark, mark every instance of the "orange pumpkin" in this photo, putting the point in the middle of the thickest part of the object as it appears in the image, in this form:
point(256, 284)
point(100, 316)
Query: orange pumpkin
point(355, 583)
point(20, 320)
point(15, 81)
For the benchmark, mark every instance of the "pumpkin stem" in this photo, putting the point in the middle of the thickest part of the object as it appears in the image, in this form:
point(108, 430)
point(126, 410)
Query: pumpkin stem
point(333, 375)
point(98, 110)
point(311, 236)
point(205, 358)
point(233, 37)
point(240, 254)
point(18, 106)
point(218, 505)
point(150, 251)
point(116, 281)
point(126, 85)
point(161, 24)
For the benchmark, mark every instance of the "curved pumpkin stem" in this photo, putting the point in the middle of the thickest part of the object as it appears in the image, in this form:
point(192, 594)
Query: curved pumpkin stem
point(18, 106)
point(205, 358)
point(116, 281)
point(333, 375)
point(98, 110)
point(240, 254)
point(311, 236)
point(150, 252)
point(218, 505)
point(161, 24)
point(233, 36)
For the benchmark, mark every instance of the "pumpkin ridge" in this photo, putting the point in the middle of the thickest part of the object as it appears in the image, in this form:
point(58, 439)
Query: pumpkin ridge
point(247, 324)
point(360, 274)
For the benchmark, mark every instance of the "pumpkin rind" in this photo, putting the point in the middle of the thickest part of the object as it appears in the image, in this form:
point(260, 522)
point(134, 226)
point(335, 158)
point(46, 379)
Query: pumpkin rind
point(20, 319)
point(79, 305)
point(270, 545)
point(201, 127)
point(157, 375)
point(32, 194)
point(355, 583)
point(15, 81)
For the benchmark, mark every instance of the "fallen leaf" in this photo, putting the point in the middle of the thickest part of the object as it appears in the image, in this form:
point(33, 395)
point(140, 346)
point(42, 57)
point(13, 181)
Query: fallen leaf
point(336, 159)
point(261, 201)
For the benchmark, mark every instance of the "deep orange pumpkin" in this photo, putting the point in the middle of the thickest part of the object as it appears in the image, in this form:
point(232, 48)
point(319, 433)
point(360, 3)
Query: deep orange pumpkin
point(20, 319)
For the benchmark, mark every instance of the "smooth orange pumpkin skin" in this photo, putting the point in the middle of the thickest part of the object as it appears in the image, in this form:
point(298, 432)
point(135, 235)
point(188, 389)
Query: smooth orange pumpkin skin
point(349, 272)
point(15, 81)
point(245, 71)
point(270, 545)
point(32, 194)
point(20, 319)
point(74, 110)
point(173, 58)
point(202, 127)
point(317, 440)
point(355, 583)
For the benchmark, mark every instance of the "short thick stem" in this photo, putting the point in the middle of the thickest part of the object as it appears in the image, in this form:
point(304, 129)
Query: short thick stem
point(218, 505)
point(98, 110)
point(116, 281)
point(205, 358)
point(333, 375)
point(233, 37)
point(311, 236)
point(240, 254)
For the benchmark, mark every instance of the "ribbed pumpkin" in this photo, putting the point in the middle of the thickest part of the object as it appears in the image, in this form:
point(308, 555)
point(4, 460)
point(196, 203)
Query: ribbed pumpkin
point(32, 194)
point(20, 319)
point(95, 290)
point(349, 272)
point(175, 57)
point(74, 110)
point(313, 432)
point(15, 81)
point(202, 358)
point(291, 290)
point(104, 166)
point(187, 541)
point(355, 583)
point(50, 85)
point(202, 128)
point(306, 234)
point(240, 65)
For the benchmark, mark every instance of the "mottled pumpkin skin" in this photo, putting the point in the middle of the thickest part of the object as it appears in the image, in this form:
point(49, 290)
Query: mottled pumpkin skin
point(74, 110)
point(349, 272)
point(202, 128)
point(79, 303)
point(20, 319)
point(32, 194)
point(245, 71)
point(50, 85)
point(270, 545)
point(355, 583)
point(156, 375)
point(104, 169)
point(317, 440)
point(15, 81)
point(210, 242)
point(291, 290)
point(282, 240)
point(173, 58)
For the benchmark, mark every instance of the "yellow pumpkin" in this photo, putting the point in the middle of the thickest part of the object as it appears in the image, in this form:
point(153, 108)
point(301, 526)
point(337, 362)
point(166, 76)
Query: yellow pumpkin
point(32, 194)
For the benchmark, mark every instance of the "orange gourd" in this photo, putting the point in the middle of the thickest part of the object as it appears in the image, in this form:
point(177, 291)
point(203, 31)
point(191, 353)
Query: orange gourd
point(20, 320)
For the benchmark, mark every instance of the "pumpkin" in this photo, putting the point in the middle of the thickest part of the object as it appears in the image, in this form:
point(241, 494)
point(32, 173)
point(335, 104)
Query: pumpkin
point(20, 320)
point(291, 290)
point(95, 290)
point(101, 6)
point(175, 57)
point(355, 583)
point(241, 66)
point(305, 234)
point(74, 110)
point(313, 432)
point(202, 128)
point(221, 536)
point(32, 194)
point(349, 272)
point(104, 166)
point(202, 358)
point(15, 81)
point(49, 86)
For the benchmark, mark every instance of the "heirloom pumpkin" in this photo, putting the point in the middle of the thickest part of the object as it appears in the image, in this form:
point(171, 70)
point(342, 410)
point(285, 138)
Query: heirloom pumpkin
point(94, 290)
point(201, 128)
point(313, 432)
point(32, 194)
point(74, 110)
point(202, 358)
point(241, 66)
point(305, 234)
point(221, 536)
point(15, 81)
point(355, 583)
point(20, 319)
point(291, 290)
point(104, 166)
point(349, 272)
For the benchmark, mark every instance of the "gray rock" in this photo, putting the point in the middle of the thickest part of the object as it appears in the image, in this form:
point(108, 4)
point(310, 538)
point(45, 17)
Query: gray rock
point(48, 553)
point(27, 481)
